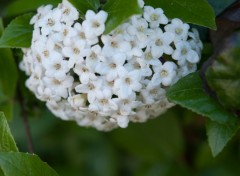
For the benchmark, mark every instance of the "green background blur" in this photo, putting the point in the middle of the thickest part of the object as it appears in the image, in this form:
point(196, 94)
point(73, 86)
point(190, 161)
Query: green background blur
point(173, 144)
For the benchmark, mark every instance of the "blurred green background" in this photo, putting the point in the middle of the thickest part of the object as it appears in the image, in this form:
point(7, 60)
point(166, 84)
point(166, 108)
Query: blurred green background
point(173, 144)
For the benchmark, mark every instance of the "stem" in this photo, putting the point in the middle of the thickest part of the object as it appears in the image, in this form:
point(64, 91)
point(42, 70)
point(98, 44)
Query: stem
point(24, 116)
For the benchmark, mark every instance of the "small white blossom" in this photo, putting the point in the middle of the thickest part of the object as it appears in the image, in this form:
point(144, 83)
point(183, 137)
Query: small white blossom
point(164, 73)
point(94, 23)
point(154, 16)
point(179, 28)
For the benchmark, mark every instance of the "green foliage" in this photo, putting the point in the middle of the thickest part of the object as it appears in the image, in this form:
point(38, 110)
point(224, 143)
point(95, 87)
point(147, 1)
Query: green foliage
point(13, 8)
point(219, 134)
point(24, 164)
point(84, 5)
point(18, 33)
point(197, 12)
point(119, 11)
point(223, 76)
point(7, 82)
point(7, 142)
point(189, 93)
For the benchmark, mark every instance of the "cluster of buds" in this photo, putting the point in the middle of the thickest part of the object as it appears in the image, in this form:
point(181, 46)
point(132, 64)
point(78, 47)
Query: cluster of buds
point(105, 81)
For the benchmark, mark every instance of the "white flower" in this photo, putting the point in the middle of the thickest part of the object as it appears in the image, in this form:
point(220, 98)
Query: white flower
point(195, 41)
point(127, 105)
point(77, 101)
point(90, 89)
point(94, 23)
point(66, 35)
point(152, 93)
point(56, 67)
point(81, 35)
point(75, 52)
point(112, 67)
point(160, 43)
point(94, 57)
point(154, 16)
point(139, 28)
point(84, 73)
point(114, 44)
point(59, 87)
point(128, 82)
point(149, 58)
point(41, 12)
point(69, 12)
point(51, 22)
point(138, 64)
point(179, 28)
point(164, 73)
point(103, 102)
point(184, 52)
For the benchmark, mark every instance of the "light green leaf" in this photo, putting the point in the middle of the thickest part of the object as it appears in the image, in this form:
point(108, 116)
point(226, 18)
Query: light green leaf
point(119, 11)
point(197, 12)
point(188, 93)
point(220, 134)
point(18, 33)
point(7, 142)
point(84, 5)
point(21, 164)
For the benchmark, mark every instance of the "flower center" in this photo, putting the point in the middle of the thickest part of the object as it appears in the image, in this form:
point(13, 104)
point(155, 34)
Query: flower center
point(128, 81)
point(154, 17)
point(164, 73)
point(184, 51)
point(50, 22)
point(158, 42)
point(76, 50)
point(178, 31)
point(57, 66)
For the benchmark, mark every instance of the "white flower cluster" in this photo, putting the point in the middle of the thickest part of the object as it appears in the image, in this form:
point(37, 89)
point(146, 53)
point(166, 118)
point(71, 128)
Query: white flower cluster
point(105, 81)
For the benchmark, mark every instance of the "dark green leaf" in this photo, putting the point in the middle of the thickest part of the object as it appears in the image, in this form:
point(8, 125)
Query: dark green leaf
point(220, 134)
point(84, 5)
point(21, 164)
point(14, 10)
point(119, 11)
point(223, 76)
point(197, 12)
point(7, 142)
point(188, 93)
point(18, 33)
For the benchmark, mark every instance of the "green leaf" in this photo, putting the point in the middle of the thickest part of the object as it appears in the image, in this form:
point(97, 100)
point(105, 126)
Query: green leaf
point(21, 164)
point(7, 142)
point(23, 6)
point(223, 76)
point(18, 33)
point(188, 93)
point(84, 5)
point(197, 12)
point(119, 11)
point(220, 134)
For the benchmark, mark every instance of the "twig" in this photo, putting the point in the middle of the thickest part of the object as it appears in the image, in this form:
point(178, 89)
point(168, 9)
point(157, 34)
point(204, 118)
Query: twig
point(24, 116)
